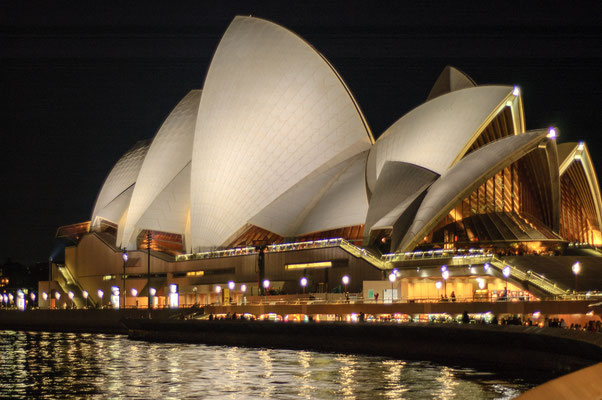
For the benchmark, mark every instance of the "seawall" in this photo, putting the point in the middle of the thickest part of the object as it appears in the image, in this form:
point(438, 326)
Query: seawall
point(77, 320)
point(548, 352)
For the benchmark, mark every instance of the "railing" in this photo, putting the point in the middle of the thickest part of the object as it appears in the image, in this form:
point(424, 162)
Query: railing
point(239, 251)
point(435, 254)
point(532, 277)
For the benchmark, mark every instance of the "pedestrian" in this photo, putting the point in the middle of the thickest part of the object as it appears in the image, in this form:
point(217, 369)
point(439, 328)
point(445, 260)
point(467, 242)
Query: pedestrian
point(453, 297)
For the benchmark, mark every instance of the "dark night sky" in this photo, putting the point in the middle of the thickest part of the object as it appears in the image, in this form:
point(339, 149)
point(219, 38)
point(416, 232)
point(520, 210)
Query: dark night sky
point(82, 82)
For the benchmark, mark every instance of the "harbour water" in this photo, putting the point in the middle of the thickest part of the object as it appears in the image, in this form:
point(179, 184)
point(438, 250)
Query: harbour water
point(98, 366)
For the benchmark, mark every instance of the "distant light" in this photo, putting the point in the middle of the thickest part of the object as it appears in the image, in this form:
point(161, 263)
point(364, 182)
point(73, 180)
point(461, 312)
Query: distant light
point(11, 297)
point(392, 277)
point(44, 296)
point(243, 288)
point(85, 294)
point(125, 255)
point(33, 296)
point(57, 295)
point(506, 271)
point(345, 280)
point(134, 292)
point(516, 91)
point(303, 282)
point(443, 268)
point(445, 274)
point(266, 283)
point(100, 293)
point(552, 133)
point(218, 289)
point(438, 285)
point(115, 290)
point(231, 285)
point(576, 268)
point(481, 284)
point(581, 146)
point(536, 314)
point(70, 294)
point(153, 291)
point(486, 267)
point(590, 313)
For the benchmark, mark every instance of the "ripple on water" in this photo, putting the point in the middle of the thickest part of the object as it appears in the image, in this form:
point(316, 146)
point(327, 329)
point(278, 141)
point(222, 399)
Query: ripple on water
point(55, 365)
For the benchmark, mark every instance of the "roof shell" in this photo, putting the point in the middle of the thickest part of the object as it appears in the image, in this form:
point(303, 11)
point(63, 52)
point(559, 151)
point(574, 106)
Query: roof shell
point(272, 112)
point(169, 153)
point(466, 176)
point(122, 176)
point(436, 134)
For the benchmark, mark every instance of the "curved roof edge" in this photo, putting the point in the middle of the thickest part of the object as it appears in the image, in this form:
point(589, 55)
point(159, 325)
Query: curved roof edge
point(122, 176)
point(580, 152)
point(464, 178)
point(438, 133)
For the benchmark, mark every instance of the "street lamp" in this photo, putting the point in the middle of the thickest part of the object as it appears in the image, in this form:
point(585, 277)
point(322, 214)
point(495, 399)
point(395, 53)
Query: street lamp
point(392, 278)
point(576, 269)
point(33, 298)
point(345, 281)
point(445, 276)
point(506, 272)
point(85, 294)
point(100, 293)
point(486, 267)
point(303, 283)
point(438, 286)
point(266, 285)
point(231, 285)
point(44, 296)
point(71, 295)
point(125, 257)
point(152, 292)
point(243, 289)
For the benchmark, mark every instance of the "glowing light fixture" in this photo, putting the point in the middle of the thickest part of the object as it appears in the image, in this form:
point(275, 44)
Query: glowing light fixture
point(443, 268)
point(552, 133)
point(57, 295)
point(438, 285)
point(516, 91)
point(218, 289)
point(392, 277)
point(134, 292)
point(243, 288)
point(506, 271)
point(231, 285)
point(153, 291)
point(445, 274)
point(45, 296)
point(85, 294)
point(70, 294)
point(576, 268)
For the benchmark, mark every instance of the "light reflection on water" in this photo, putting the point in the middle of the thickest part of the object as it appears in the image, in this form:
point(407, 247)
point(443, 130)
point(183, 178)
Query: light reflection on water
point(61, 365)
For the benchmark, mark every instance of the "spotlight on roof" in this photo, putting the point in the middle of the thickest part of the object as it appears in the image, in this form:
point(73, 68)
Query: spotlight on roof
point(552, 133)
point(581, 146)
point(516, 91)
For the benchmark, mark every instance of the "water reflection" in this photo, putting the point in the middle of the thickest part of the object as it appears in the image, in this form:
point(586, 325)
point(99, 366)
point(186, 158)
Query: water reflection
point(55, 366)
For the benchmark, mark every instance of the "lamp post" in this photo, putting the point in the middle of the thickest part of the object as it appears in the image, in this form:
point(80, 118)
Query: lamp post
point(100, 293)
point(71, 295)
point(231, 286)
point(85, 294)
point(243, 289)
point(438, 286)
point(149, 239)
point(57, 296)
point(303, 283)
point(506, 272)
point(445, 276)
point(266, 285)
point(345, 281)
point(152, 292)
point(392, 279)
point(125, 257)
point(576, 269)
point(33, 298)
point(134, 294)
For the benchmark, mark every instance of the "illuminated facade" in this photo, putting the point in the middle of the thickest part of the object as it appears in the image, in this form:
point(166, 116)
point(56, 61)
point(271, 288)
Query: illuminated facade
point(275, 149)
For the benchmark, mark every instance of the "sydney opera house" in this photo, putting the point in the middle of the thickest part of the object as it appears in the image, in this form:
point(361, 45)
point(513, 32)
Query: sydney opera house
point(270, 172)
